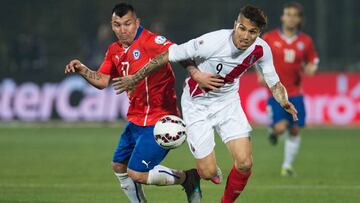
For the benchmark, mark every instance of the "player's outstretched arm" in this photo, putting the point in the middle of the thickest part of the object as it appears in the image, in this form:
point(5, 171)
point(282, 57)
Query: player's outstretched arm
point(96, 79)
point(205, 80)
point(129, 82)
point(280, 95)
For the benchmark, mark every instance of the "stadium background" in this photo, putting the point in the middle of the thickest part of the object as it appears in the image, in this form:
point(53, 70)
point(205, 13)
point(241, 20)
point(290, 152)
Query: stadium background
point(38, 38)
point(46, 161)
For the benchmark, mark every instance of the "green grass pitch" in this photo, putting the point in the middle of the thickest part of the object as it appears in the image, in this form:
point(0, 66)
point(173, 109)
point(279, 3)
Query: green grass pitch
point(72, 165)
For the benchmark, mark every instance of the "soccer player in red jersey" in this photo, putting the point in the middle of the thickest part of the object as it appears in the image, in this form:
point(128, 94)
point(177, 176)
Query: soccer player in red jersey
point(294, 54)
point(137, 157)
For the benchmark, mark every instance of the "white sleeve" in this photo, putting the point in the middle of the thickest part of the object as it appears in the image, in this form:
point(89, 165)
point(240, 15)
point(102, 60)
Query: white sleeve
point(199, 48)
point(266, 67)
point(183, 51)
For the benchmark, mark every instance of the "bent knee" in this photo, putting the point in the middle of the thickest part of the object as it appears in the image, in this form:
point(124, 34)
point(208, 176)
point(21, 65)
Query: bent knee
point(244, 164)
point(119, 167)
point(138, 176)
point(294, 131)
point(279, 129)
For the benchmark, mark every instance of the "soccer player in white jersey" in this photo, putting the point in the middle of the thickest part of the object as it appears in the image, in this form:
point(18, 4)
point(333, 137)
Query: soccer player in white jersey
point(207, 104)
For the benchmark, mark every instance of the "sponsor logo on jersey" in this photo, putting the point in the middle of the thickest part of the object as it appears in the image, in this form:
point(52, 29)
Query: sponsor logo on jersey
point(160, 40)
point(117, 58)
point(136, 54)
point(300, 45)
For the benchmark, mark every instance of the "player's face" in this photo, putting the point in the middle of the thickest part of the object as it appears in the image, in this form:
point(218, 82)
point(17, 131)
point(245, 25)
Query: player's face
point(245, 33)
point(125, 27)
point(291, 18)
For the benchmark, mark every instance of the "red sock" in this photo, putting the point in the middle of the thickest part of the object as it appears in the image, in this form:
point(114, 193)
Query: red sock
point(235, 184)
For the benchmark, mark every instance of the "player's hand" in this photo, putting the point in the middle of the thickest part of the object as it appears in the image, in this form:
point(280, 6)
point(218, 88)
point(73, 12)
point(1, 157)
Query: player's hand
point(74, 66)
point(122, 84)
point(310, 69)
point(208, 81)
point(290, 108)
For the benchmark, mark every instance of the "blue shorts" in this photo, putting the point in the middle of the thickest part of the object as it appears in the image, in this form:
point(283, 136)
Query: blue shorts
point(137, 146)
point(277, 113)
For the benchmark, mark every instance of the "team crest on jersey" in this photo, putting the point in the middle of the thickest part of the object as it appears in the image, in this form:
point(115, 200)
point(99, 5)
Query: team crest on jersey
point(160, 40)
point(136, 54)
point(300, 45)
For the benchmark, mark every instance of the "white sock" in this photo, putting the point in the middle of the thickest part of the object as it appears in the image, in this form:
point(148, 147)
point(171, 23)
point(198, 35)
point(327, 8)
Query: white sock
point(133, 190)
point(161, 175)
point(292, 145)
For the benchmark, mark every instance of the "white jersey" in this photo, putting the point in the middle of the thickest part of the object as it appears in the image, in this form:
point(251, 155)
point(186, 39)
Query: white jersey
point(216, 53)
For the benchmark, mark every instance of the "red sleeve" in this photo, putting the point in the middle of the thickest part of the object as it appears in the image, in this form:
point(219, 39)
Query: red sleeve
point(311, 54)
point(156, 44)
point(107, 67)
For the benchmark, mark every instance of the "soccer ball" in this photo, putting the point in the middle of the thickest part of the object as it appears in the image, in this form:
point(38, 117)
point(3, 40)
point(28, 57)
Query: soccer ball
point(170, 132)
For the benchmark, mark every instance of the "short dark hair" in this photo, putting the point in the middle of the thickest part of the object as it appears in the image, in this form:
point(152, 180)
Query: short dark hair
point(122, 9)
point(297, 6)
point(255, 15)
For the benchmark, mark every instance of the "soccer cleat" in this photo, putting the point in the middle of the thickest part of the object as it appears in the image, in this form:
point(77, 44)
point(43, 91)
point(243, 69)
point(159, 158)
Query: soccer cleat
point(273, 139)
point(191, 186)
point(288, 172)
point(219, 177)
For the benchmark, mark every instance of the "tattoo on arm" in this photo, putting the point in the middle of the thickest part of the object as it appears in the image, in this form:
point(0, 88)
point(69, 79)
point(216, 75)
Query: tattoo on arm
point(98, 76)
point(88, 74)
point(154, 65)
point(279, 93)
point(91, 75)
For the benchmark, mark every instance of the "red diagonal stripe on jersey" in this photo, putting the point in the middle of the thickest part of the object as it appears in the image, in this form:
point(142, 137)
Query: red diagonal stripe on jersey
point(194, 87)
point(247, 63)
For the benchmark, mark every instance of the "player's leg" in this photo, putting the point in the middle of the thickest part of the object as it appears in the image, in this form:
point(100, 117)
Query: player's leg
point(201, 144)
point(203, 153)
point(291, 149)
point(233, 127)
point(144, 165)
point(207, 167)
point(241, 152)
point(293, 140)
point(132, 189)
point(279, 122)
point(217, 179)
point(162, 176)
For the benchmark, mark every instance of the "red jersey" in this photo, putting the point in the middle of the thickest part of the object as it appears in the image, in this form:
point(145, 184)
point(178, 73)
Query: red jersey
point(154, 96)
point(290, 55)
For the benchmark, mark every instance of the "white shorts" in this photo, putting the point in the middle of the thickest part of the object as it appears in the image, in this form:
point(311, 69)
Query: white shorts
point(228, 120)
